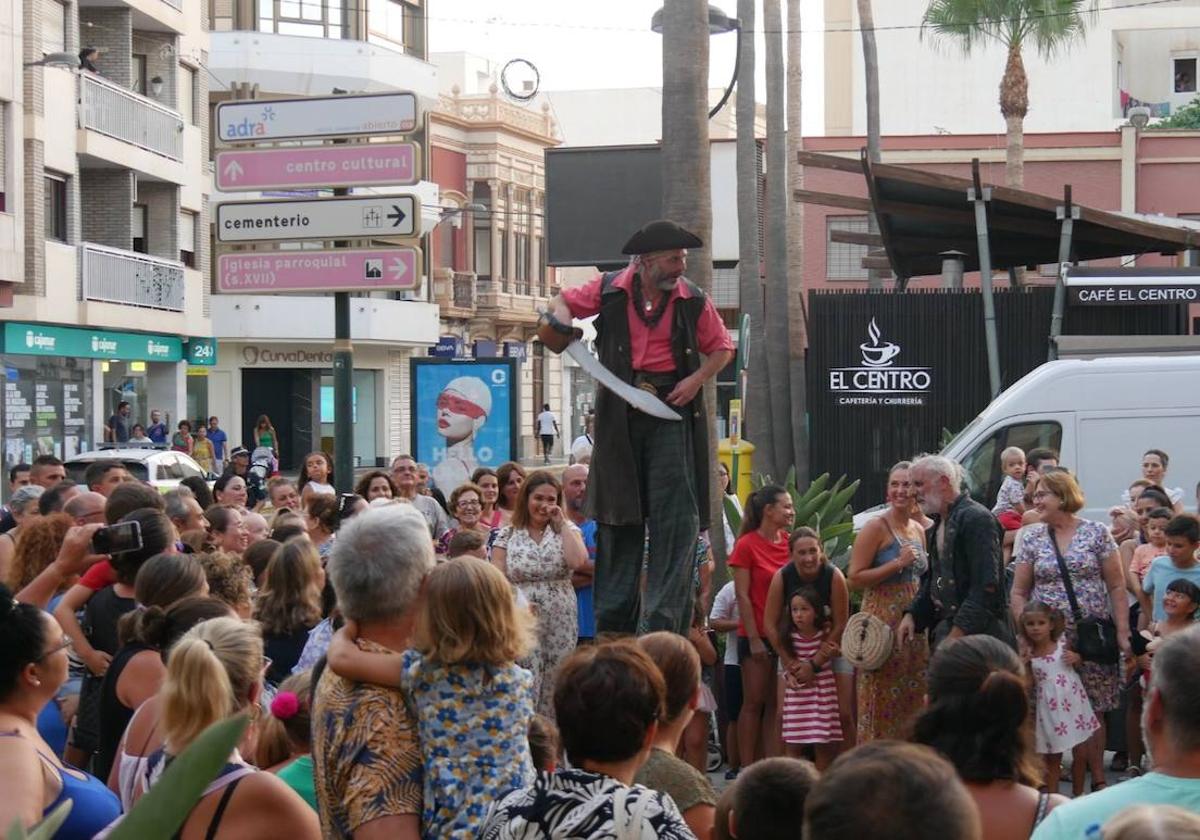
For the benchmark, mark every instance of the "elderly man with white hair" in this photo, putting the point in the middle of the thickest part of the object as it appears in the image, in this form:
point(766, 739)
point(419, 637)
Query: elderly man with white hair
point(366, 757)
point(963, 592)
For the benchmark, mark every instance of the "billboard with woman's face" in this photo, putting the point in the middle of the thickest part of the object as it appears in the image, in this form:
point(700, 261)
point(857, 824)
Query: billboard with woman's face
point(464, 416)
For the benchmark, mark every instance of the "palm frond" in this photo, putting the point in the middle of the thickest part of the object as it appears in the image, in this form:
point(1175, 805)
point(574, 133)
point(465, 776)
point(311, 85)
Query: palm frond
point(1050, 26)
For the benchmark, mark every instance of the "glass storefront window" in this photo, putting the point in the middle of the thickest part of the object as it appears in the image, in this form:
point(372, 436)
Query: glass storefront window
point(46, 408)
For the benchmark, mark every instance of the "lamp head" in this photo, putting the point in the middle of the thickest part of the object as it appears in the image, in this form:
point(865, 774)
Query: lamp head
point(718, 21)
point(1139, 116)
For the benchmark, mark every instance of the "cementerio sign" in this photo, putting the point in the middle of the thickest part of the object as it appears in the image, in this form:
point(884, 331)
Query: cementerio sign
point(268, 120)
point(350, 217)
point(1132, 286)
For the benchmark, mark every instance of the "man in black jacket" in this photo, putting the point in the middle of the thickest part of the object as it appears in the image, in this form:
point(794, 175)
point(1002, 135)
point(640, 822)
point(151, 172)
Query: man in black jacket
point(963, 591)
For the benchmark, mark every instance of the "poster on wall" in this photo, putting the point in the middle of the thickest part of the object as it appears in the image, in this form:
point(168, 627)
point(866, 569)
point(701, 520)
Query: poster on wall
point(464, 416)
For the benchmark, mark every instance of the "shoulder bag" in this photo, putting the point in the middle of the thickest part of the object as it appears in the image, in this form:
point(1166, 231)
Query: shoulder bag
point(867, 641)
point(1095, 638)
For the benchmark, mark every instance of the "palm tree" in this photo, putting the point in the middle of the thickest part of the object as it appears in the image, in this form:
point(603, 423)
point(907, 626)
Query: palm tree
point(686, 183)
point(750, 293)
point(1051, 26)
point(866, 26)
point(778, 291)
point(798, 339)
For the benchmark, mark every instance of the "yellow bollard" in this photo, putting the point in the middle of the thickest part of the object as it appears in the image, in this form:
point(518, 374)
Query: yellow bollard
point(744, 451)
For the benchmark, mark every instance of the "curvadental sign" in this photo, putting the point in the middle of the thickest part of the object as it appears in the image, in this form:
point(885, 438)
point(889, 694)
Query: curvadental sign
point(316, 117)
point(340, 270)
point(877, 379)
point(362, 165)
point(350, 217)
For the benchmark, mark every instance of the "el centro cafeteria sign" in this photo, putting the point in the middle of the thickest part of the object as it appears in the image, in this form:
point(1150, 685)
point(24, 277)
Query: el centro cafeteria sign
point(42, 340)
point(878, 380)
point(1131, 286)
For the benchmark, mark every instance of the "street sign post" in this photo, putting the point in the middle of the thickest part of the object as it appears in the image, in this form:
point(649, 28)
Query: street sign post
point(362, 165)
point(351, 217)
point(315, 117)
point(337, 270)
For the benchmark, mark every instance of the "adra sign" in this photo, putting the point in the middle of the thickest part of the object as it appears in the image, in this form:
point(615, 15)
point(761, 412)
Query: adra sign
point(43, 340)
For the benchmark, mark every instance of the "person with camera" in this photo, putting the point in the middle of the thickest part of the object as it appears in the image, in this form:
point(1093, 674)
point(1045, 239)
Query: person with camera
point(1072, 565)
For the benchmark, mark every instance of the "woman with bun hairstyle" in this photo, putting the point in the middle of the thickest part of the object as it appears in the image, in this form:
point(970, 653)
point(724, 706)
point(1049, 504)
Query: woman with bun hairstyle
point(33, 666)
point(213, 673)
point(159, 629)
point(137, 669)
point(285, 739)
point(978, 717)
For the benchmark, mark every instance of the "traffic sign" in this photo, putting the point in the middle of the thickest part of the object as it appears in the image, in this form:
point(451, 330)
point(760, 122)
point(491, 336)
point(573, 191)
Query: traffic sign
point(339, 270)
point(351, 217)
point(361, 165)
point(268, 120)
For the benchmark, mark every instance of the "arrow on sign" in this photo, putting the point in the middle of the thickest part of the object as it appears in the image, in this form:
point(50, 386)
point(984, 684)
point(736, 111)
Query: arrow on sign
point(397, 269)
point(233, 170)
point(396, 214)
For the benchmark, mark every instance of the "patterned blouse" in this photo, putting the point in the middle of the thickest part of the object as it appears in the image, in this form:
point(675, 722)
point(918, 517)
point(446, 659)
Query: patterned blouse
point(473, 723)
point(576, 803)
point(366, 758)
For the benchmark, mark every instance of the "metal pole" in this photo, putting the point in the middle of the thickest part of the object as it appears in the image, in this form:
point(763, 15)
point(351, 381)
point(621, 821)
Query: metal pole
point(1067, 213)
point(343, 404)
point(980, 196)
point(343, 384)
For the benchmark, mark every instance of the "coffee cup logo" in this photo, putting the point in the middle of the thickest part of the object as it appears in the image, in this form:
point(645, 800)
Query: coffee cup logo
point(877, 354)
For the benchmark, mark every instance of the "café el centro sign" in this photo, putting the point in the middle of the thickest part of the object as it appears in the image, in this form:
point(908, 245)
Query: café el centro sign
point(1131, 286)
point(879, 380)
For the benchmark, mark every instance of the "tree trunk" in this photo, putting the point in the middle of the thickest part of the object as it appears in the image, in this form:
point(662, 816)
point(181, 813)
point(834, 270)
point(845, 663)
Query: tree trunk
point(866, 25)
point(750, 286)
point(777, 304)
point(798, 345)
point(1014, 105)
point(687, 190)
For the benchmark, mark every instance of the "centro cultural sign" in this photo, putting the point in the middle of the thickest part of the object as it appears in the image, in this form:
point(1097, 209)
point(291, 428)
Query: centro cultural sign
point(878, 380)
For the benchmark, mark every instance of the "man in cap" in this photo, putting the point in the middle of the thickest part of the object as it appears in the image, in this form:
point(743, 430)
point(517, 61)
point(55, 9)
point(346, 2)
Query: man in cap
point(647, 473)
point(463, 407)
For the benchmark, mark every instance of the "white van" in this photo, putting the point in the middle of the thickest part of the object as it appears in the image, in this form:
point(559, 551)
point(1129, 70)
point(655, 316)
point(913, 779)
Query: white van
point(1101, 415)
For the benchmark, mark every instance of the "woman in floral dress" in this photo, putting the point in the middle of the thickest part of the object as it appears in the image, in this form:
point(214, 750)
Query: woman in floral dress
point(538, 552)
point(886, 564)
point(1092, 559)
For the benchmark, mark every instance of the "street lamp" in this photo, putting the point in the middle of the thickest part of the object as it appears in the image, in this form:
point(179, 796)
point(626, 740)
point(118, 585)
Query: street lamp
point(718, 23)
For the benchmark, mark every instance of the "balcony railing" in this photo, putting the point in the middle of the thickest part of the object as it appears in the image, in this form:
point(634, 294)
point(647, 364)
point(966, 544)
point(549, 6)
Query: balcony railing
point(115, 276)
point(464, 290)
point(112, 110)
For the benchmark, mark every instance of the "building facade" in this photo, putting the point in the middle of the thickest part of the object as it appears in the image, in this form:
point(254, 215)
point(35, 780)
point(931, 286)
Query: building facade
point(488, 251)
point(276, 351)
point(104, 196)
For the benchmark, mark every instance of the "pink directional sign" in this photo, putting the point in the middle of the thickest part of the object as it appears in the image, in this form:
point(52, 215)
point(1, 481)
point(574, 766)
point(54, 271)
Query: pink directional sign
point(343, 270)
point(362, 165)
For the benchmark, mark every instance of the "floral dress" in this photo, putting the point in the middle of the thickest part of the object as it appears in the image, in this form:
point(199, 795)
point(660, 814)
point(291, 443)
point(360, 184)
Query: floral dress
point(1064, 714)
point(540, 572)
point(473, 724)
point(1084, 557)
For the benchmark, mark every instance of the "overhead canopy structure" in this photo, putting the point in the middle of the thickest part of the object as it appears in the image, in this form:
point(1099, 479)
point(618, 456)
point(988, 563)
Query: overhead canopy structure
point(923, 214)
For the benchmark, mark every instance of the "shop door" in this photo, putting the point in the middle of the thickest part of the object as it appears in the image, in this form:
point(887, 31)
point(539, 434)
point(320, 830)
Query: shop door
point(285, 396)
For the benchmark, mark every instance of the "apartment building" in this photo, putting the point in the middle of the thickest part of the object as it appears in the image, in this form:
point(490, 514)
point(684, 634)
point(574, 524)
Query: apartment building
point(487, 155)
point(103, 212)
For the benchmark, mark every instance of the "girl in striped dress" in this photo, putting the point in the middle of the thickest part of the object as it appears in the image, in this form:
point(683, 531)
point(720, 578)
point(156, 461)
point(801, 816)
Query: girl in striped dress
point(810, 709)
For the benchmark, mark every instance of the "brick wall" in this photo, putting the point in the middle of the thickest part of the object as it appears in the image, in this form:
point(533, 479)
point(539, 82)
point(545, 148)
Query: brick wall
point(110, 29)
point(106, 202)
point(160, 51)
point(162, 218)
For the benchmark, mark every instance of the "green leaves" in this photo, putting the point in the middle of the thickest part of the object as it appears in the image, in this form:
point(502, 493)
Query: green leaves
point(46, 829)
point(165, 807)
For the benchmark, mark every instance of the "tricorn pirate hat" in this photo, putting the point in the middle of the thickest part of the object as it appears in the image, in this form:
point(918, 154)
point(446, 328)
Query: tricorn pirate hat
point(662, 235)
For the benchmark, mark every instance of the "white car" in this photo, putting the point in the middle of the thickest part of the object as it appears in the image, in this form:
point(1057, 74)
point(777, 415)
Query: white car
point(162, 469)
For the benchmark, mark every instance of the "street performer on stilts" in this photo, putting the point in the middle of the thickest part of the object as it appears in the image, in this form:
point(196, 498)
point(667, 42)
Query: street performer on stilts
point(659, 332)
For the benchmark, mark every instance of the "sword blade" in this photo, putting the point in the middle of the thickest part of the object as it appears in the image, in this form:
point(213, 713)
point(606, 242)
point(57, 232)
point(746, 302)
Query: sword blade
point(641, 400)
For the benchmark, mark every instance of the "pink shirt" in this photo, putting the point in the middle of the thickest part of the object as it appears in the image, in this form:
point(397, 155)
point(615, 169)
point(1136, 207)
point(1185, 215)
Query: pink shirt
point(651, 347)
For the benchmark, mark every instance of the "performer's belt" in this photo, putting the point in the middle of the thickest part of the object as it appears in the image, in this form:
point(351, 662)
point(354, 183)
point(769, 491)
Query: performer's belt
point(659, 383)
